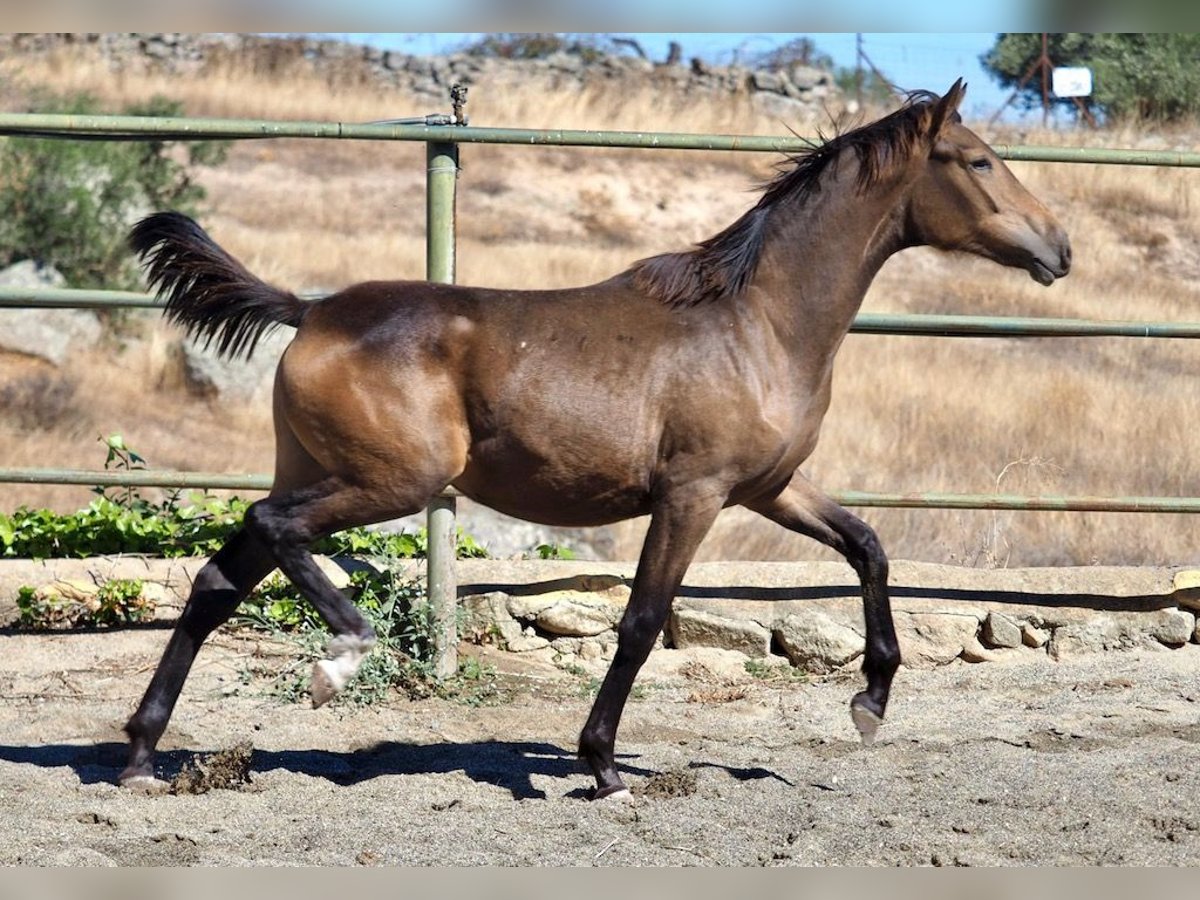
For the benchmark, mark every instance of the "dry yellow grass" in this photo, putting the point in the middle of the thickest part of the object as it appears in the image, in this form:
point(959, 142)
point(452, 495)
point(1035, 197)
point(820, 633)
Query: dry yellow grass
point(1088, 416)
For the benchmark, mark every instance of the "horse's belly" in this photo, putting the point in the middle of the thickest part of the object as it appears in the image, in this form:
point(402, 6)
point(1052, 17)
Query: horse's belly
point(555, 494)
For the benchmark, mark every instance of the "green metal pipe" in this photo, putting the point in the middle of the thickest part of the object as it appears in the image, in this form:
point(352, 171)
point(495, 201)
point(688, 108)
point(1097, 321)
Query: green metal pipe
point(900, 500)
point(137, 478)
point(440, 209)
point(915, 324)
point(73, 298)
point(441, 179)
point(1015, 326)
point(172, 128)
point(1099, 155)
point(1017, 502)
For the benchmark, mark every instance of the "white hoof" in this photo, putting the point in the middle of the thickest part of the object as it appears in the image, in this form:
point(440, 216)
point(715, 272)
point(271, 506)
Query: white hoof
point(329, 676)
point(621, 796)
point(146, 784)
point(866, 722)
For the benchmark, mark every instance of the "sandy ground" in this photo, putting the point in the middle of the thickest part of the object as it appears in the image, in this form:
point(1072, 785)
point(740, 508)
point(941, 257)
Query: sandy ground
point(1088, 761)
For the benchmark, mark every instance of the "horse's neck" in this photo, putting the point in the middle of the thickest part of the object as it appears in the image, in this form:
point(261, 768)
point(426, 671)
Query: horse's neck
point(820, 258)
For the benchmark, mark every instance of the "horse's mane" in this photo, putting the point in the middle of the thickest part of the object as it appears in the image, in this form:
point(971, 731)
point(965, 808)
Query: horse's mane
point(723, 265)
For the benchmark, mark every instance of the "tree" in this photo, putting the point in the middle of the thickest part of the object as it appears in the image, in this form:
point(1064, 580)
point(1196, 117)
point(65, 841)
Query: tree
point(1135, 76)
point(69, 203)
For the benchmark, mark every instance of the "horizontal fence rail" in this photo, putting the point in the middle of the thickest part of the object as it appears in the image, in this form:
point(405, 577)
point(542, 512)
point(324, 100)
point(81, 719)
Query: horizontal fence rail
point(75, 127)
point(877, 499)
point(914, 324)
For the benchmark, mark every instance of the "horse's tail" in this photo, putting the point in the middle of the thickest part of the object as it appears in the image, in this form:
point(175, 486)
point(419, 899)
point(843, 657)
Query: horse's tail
point(208, 292)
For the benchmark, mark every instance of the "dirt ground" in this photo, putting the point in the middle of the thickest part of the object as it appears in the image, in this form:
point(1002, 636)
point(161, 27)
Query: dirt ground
point(1093, 760)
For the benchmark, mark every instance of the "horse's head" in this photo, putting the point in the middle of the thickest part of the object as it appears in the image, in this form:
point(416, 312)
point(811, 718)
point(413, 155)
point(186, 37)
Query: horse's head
point(965, 198)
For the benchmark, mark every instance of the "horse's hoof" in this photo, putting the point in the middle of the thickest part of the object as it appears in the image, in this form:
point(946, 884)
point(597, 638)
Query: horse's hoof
point(613, 795)
point(323, 688)
point(331, 675)
point(866, 722)
point(145, 784)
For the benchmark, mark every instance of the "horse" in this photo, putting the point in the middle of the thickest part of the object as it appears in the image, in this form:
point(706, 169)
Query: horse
point(690, 382)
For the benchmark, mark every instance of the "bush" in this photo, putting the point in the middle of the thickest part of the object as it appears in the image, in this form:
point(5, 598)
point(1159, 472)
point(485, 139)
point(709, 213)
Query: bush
point(400, 662)
point(118, 601)
point(68, 203)
point(123, 520)
point(1136, 76)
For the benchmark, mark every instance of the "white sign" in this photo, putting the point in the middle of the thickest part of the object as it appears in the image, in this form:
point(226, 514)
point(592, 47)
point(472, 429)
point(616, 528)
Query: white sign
point(1071, 81)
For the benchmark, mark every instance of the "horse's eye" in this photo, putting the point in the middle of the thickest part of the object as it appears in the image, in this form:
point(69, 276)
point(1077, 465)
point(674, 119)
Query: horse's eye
point(983, 164)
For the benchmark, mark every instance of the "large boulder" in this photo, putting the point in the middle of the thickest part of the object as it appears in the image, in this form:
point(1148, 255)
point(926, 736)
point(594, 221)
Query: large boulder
point(49, 334)
point(235, 379)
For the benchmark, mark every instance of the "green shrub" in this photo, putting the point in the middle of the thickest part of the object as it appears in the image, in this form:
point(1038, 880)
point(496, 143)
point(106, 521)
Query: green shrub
point(123, 520)
point(118, 601)
point(401, 660)
point(69, 203)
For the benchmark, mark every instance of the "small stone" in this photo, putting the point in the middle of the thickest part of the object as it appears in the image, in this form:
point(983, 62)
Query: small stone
point(574, 619)
point(1001, 631)
point(1032, 636)
point(975, 652)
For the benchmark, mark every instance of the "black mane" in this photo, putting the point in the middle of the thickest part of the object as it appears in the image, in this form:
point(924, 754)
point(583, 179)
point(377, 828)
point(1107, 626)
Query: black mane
point(722, 266)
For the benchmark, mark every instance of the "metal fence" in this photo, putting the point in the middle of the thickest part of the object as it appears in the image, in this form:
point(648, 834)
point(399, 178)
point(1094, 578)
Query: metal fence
point(442, 138)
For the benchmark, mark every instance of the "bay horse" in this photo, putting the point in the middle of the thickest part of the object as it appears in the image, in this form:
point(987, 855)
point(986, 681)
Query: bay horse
point(690, 382)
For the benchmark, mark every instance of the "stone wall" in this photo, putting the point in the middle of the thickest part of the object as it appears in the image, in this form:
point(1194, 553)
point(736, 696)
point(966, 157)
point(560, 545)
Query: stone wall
point(771, 614)
point(789, 91)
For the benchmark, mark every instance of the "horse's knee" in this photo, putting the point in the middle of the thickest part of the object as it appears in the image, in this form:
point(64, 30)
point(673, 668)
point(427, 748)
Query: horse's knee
point(866, 553)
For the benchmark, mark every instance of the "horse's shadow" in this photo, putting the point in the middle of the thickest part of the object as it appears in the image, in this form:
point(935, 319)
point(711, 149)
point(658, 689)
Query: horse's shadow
point(510, 765)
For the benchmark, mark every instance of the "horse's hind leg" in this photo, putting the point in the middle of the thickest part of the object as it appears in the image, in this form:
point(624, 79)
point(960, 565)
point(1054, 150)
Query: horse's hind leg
point(804, 509)
point(218, 589)
point(287, 524)
point(676, 530)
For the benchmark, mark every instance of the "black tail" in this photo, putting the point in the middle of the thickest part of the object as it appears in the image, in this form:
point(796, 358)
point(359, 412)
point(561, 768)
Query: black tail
point(206, 290)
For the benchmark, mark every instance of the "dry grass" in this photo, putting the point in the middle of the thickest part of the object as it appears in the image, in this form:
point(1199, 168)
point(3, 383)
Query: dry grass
point(1098, 416)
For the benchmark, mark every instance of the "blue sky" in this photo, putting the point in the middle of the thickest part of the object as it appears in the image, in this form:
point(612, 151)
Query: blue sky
point(928, 60)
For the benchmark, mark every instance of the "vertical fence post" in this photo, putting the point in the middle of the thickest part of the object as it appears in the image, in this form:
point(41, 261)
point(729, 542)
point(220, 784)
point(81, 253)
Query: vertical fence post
point(441, 175)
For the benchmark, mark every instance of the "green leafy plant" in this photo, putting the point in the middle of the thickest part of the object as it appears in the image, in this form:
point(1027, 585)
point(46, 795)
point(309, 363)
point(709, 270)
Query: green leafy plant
point(553, 551)
point(401, 661)
point(69, 203)
point(775, 671)
point(118, 601)
point(124, 520)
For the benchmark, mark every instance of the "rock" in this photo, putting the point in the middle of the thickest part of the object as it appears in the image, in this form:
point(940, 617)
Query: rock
point(574, 619)
point(1173, 627)
point(1032, 636)
point(241, 379)
point(48, 334)
point(1001, 631)
point(1122, 630)
point(570, 613)
point(525, 643)
point(808, 78)
point(934, 639)
point(1089, 637)
point(486, 619)
point(764, 80)
point(815, 642)
point(692, 628)
point(974, 652)
point(1187, 588)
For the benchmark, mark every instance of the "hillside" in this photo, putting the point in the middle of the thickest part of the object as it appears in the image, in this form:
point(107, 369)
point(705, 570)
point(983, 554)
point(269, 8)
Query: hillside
point(1097, 416)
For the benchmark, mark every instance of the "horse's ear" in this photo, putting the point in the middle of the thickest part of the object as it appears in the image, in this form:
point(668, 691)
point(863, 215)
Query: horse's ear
point(945, 108)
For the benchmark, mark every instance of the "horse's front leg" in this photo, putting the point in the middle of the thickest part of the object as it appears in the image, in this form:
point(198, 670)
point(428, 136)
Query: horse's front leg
point(218, 589)
point(677, 527)
point(804, 509)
